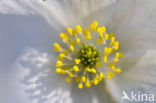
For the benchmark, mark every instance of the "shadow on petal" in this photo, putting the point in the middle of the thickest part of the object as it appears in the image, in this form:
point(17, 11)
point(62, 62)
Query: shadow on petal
point(39, 79)
point(94, 94)
point(29, 39)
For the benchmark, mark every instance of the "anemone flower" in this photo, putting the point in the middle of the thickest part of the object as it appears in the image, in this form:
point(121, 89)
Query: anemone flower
point(106, 51)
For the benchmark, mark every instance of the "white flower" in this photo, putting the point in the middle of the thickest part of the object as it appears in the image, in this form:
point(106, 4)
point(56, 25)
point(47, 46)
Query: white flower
point(27, 62)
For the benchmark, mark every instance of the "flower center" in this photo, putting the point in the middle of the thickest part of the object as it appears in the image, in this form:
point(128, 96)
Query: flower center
point(88, 55)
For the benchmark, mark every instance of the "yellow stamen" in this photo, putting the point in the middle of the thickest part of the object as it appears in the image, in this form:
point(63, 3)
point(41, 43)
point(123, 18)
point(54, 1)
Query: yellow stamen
point(71, 47)
point(61, 56)
point(88, 37)
point(86, 32)
point(95, 82)
point(93, 70)
point(103, 29)
point(57, 47)
point(62, 36)
point(70, 74)
point(74, 32)
point(58, 64)
point(115, 60)
point(80, 86)
point(105, 59)
point(99, 31)
point(117, 70)
point(78, 28)
point(99, 41)
point(58, 70)
point(77, 61)
point(98, 64)
point(67, 79)
point(69, 30)
point(106, 36)
point(76, 68)
point(78, 40)
point(111, 66)
point(83, 79)
point(118, 54)
point(87, 84)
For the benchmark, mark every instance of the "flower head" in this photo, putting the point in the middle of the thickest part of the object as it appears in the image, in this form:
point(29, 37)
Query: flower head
point(86, 53)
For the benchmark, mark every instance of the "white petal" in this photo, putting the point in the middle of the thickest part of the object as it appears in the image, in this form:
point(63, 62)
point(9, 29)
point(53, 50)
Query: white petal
point(36, 72)
point(134, 24)
point(94, 94)
point(139, 78)
point(17, 33)
point(60, 14)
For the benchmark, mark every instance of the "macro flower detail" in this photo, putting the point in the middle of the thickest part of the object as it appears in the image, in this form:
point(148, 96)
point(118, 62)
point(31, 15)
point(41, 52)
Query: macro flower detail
point(88, 56)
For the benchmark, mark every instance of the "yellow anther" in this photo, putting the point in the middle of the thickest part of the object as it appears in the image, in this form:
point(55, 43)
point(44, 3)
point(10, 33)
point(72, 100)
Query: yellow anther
point(63, 72)
point(86, 32)
point(58, 64)
point(116, 47)
point(77, 61)
point(91, 27)
point(93, 70)
point(95, 23)
point(88, 84)
point(106, 36)
point(58, 70)
point(76, 68)
point(116, 43)
point(71, 47)
point(65, 51)
point(74, 32)
point(98, 64)
point(61, 56)
point(67, 79)
point(117, 70)
point(103, 29)
point(77, 79)
point(95, 82)
point(78, 40)
point(106, 50)
point(110, 35)
point(118, 55)
point(110, 74)
point(80, 86)
point(88, 37)
point(88, 69)
point(69, 30)
point(70, 74)
point(78, 28)
point(83, 79)
point(105, 59)
point(109, 50)
point(112, 39)
point(62, 36)
point(108, 77)
point(66, 68)
point(115, 60)
point(66, 36)
point(99, 41)
point(57, 47)
point(111, 66)
point(101, 75)
point(99, 31)
point(96, 77)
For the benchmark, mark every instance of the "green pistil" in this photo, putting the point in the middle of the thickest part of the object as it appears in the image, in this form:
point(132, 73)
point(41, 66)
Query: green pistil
point(88, 55)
